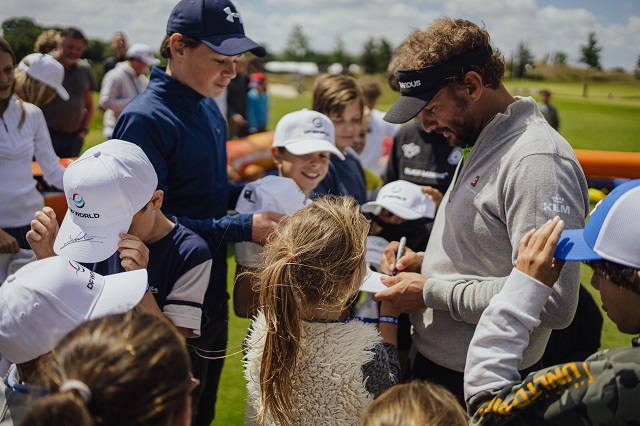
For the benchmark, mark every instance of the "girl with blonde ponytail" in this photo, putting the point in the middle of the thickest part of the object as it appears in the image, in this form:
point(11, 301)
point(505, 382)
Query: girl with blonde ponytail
point(304, 365)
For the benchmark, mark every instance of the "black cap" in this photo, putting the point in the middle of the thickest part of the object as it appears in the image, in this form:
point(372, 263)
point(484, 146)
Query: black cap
point(418, 87)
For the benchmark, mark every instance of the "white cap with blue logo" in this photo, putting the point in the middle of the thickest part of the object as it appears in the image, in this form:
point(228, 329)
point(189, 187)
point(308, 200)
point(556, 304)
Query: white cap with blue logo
point(48, 298)
point(611, 233)
point(104, 188)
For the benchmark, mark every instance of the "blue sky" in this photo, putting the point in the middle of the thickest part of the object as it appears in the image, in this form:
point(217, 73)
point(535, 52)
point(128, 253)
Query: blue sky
point(545, 25)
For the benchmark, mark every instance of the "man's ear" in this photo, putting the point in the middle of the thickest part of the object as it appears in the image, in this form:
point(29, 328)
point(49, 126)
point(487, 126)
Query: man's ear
point(473, 85)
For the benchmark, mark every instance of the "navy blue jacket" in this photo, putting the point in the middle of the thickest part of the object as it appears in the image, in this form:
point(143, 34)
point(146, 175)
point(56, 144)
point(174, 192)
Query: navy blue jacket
point(184, 135)
point(345, 177)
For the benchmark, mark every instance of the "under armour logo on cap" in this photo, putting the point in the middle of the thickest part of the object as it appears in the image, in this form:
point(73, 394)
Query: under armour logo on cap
point(231, 15)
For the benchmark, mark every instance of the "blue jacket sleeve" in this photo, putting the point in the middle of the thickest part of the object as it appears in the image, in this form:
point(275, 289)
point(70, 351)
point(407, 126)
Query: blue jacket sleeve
point(227, 229)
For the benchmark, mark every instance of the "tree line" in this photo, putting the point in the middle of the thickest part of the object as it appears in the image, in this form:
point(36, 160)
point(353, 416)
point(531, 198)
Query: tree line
point(22, 33)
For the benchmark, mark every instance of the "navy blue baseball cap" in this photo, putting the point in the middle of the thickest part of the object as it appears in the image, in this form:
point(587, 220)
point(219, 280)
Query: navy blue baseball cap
point(216, 23)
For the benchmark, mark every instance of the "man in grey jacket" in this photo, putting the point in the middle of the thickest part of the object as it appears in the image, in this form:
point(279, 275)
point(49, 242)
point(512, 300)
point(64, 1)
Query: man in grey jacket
point(516, 174)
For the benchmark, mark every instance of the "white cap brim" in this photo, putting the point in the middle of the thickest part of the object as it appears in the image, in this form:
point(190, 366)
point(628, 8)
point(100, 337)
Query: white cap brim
point(120, 293)
point(149, 61)
point(88, 244)
point(308, 146)
point(62, 92)
point(400, 211)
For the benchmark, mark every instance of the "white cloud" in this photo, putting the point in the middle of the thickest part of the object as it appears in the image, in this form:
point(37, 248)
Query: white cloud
point(543, 28)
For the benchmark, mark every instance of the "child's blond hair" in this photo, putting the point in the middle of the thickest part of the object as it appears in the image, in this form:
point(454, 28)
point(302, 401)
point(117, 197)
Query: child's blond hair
point(417, 403)
point(333, 92)
point(315, 262)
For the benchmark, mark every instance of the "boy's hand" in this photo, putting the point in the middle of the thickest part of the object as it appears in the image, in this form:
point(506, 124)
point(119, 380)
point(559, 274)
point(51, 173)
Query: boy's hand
point(264, 225)
point(43, 233)
point(8, 244)
point(133, 252)
point(535, 253)
point(409, 262)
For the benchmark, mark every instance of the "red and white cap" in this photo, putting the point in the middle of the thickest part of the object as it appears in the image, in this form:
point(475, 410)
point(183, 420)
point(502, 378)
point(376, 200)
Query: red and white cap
point(104, 188)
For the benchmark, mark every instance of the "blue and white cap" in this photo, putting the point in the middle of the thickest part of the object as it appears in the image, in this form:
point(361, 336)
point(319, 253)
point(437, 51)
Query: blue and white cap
point(612, 232)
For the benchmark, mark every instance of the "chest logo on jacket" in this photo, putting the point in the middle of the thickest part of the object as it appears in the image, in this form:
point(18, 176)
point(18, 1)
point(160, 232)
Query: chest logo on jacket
point(410, 150)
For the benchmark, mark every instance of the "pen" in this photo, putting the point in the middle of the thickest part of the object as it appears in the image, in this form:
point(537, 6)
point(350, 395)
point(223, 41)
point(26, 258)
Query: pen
point(399, 253)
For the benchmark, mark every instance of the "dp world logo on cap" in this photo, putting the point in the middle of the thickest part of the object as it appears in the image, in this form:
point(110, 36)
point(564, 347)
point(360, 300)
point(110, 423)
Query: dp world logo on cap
point(77, 267)
point(77, 200)
point(316, 122)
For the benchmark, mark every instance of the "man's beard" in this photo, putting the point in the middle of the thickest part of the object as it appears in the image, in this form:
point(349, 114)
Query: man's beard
point(462, 131)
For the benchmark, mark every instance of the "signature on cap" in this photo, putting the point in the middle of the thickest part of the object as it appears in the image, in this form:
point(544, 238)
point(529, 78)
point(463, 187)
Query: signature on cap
point(81, 238)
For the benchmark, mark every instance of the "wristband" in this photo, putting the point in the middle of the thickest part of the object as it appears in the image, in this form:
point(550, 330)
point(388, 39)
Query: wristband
point(361, 319)
point(390, 320)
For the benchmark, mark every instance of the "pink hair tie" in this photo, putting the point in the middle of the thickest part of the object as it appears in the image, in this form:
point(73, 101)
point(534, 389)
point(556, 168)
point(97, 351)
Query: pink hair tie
point(293, 258)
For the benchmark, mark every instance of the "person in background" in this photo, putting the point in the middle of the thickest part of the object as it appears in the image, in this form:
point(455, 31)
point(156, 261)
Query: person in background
point(47, 41)
point(120, 370)
point(69, 121)
point(339, 97)
point(180, 128)
point(377, 128)
point(24, 136)
point(119, 46)
point(124, 82)
point(257, 103)
point(549, 112)
point(604, 388)
point(237, 101)
point(39, 305)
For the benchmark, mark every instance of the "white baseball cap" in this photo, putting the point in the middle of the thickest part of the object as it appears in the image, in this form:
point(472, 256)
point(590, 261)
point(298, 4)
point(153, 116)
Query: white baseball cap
point(403, 199)
point(271, 193)
point(48, 298)
point(303, 132)
point(144, 53)
point(104, 188)
point(47, 70)
point(611, 233)
point(10, 262)
point(375, 247)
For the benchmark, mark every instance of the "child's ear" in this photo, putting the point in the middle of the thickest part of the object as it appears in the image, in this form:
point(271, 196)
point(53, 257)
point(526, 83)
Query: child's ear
point(157, 198)
point(276, 154)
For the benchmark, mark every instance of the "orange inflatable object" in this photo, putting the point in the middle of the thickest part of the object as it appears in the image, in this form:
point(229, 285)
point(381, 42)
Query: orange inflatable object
point(609, 164)
point(250, 157)
point(250, 151)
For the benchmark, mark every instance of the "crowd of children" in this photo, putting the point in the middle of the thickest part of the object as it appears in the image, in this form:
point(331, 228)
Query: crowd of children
point(123, 312)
